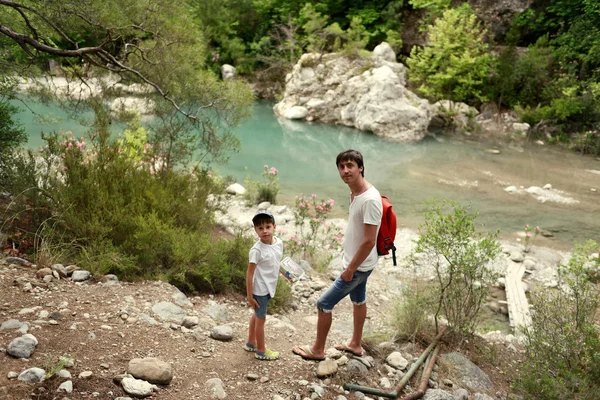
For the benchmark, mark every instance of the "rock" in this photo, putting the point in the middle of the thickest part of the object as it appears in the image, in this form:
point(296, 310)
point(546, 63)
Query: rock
point(521, 127)
point(511, 189)
point(40, 273)
point(235, 189)
point(60, 269)
point(65, 387)
point(437, 394)
point(227, 71)
point(222, 332)
point(492, 151)
point(517, 256)
point(369, 94)
point(22, 347)
point(326, 368)
point(63, 373)
point(264, 205)
point(217, 312)
point(190, 322)
point(142, 106)
point(12, 375)
point(296, 112)
point(252, 377)
point(32, 375)
point(169, 312)
point(397, 361)
point(482, 396)
point(23, 327)
point(18, 260)
point(385, 383)
point(547, 186)
point(80, 275)
point(356, 367)
point(470, 375)
point(136, 387)
point(181, 299)
point(86, 375)
point(461, 394)
point(384, 51)
point(151, 369)
point(215, 387)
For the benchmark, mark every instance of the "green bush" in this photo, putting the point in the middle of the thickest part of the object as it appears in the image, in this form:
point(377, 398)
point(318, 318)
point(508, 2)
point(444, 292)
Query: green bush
point(283, 297)
point(562, 358)
point(102, 203)
point(460, 257)
point(412, 310)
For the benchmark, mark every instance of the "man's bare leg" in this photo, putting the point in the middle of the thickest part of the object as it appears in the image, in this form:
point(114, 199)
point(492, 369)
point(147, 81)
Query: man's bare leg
point(360, 315)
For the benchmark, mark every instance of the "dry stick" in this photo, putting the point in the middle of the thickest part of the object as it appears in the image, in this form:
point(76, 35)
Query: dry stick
point(409, 374)
point(425, 379)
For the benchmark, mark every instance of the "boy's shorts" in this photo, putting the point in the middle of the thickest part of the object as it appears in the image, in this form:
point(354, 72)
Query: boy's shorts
point(261, 312)
point(356, 288)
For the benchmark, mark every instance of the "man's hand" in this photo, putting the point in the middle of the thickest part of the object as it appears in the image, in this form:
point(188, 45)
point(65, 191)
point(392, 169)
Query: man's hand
point(347, 275)
point(253, 303)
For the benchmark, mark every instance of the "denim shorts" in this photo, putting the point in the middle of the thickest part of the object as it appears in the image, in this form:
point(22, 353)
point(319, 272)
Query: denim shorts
point(261, 312)
point(356, 288)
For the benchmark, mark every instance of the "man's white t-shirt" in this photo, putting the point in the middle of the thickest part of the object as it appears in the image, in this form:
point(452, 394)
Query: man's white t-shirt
point(366, 208)
point(267, 258)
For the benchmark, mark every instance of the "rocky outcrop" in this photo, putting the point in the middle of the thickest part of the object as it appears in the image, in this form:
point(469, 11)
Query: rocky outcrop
point(367, 93)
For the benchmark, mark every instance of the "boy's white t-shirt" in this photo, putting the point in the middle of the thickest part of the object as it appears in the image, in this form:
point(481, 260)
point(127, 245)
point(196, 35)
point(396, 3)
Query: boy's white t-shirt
point(267, 258)
point(366, 208)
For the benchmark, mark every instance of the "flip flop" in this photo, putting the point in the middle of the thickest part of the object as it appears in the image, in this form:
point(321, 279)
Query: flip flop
point(306, 353)
point(344, 347)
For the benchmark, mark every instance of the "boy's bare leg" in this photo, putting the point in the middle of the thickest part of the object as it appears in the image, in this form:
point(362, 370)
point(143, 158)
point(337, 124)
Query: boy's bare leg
point(252, 331)
point(360, 314)
point(260, 334)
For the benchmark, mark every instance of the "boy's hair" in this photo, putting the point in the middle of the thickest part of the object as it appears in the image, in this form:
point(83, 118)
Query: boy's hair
point(262, 217)
point(351, 155)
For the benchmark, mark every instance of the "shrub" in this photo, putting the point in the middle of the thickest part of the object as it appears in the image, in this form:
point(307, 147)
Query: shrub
point(102, 203)
point(562, 358)
point(460, 257)
point(315, 239)
point(411, 311)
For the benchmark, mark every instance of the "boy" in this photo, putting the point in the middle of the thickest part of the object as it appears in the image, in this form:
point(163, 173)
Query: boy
point(261, 281)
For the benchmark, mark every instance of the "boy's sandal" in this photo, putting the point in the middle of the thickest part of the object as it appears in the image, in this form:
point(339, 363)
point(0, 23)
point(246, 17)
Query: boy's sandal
point(268, 355)
point(250, 347)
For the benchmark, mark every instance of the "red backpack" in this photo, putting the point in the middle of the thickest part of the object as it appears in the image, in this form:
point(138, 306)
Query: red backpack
point(387, 230)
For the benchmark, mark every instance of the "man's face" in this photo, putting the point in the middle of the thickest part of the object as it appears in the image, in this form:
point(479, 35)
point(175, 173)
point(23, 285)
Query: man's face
point(349, 171)
point(265, 232)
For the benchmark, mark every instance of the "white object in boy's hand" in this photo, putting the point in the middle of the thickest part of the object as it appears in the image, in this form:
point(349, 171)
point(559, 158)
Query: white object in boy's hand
point(291, 270)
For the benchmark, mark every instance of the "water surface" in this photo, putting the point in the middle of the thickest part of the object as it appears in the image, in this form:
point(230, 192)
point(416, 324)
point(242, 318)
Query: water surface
point(410, 174)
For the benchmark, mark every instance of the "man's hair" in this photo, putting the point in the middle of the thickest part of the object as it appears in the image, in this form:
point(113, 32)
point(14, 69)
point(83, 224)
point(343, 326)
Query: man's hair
point(351, 155)
point(260, 219)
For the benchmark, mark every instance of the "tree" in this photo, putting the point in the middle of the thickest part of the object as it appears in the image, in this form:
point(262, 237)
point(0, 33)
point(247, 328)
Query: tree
point(460, 257)
point(154, 43)
point(456, 63)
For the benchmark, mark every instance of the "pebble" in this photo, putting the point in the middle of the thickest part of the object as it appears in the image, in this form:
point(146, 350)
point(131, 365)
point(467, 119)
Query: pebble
point(86, 374)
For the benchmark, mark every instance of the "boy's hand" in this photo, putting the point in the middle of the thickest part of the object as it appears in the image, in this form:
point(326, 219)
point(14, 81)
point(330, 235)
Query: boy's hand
point(253, 303)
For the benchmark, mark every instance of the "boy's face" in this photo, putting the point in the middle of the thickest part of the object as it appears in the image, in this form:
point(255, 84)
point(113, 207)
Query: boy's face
point(265, 232)
point(349, 171)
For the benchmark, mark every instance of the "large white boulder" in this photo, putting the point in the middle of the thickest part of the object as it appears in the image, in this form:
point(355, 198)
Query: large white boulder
point(227, 71)
point(368, 93)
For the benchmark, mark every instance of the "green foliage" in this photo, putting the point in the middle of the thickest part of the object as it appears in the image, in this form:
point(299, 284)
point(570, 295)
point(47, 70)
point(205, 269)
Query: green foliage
point(460, 257)
point(357, 35)
point(314, 239)
point(267, 190)
point(456, 64)
point(562, 357)
point(53, 365)
point(411, 311)
point(283, 297)
point(109, 205)
point(394, 39)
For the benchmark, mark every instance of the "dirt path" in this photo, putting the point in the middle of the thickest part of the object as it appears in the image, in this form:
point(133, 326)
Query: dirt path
point(101, 328)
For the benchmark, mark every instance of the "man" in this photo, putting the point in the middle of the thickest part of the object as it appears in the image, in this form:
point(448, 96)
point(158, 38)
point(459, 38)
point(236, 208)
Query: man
point(359, 258)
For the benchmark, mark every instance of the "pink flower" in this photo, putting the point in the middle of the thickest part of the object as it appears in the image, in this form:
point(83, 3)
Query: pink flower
point(312, 196)
point(528, 234)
